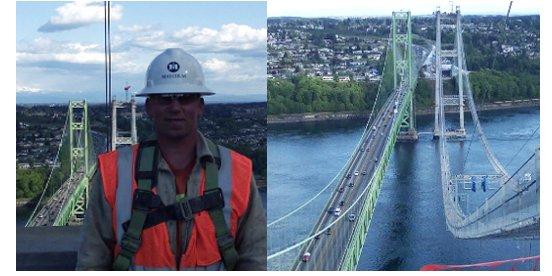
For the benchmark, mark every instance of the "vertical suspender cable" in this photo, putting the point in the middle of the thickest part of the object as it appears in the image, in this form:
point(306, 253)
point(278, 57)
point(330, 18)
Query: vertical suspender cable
point(109, 45)
point(106, 77)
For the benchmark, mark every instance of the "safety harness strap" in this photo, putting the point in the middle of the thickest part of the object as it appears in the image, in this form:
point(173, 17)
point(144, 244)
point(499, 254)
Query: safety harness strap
point(225, 241)
point(148, 210)
point(146, 178)
point(183, 209)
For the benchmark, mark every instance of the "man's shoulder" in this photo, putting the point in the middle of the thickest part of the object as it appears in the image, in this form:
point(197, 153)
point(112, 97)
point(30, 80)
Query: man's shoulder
point(113, 153)
point(233, 152)
point(238, 157)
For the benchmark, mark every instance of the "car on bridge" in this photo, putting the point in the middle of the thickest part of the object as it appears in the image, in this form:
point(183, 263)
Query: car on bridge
point(363, 172)
point(356, 173)
point(351, 184)
point(306, 257)
point(348, 176)
point(376, 160)
point(352, 217)
point(341, 189)
point(329, 231)
point(337, 211)
point(374, 128)
point(342, 203)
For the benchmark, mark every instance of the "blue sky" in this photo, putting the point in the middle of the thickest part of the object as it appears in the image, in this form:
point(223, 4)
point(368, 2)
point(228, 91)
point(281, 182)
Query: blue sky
point(60, 46)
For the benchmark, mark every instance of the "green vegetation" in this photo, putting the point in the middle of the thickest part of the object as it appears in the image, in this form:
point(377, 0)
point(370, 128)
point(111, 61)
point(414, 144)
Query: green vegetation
point(504, 62)
point(30, 182)
point(303, 94)
point(491, 85)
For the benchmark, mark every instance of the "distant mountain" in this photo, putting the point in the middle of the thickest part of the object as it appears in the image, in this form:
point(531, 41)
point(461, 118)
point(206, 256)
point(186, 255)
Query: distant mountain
point(99, 97)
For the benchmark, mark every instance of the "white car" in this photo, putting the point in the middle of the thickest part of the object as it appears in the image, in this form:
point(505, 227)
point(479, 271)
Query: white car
point(356, 173)
point(337, 211)
point(306, 257)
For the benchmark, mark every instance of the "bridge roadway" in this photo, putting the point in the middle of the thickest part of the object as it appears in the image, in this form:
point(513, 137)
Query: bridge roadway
point(48, 214)
point(328, 248)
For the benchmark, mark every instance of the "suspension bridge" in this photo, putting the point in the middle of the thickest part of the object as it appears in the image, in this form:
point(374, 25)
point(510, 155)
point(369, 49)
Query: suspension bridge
point(68, 204)
point(338, 235)
point(75, 161)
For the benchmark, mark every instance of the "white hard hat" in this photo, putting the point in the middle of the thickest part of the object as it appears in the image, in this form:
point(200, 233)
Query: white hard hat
point(174, 72)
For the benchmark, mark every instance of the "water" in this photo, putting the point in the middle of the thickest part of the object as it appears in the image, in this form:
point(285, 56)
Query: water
point(408, 229)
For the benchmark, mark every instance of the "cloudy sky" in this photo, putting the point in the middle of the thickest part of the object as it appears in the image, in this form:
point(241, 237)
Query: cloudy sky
point(347, 8)
point(60, 47)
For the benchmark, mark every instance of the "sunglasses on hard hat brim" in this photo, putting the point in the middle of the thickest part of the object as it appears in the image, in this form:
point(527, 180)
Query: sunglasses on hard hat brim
point(180, 98)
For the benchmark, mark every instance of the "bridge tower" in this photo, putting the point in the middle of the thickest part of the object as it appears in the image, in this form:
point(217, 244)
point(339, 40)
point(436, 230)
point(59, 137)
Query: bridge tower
point(79, 153)
point(449, 63)
point(78, 136)
point(403, 74)
point(121, 137)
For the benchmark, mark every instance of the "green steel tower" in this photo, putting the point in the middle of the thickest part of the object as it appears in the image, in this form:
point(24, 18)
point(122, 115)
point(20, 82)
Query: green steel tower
point(402, 69)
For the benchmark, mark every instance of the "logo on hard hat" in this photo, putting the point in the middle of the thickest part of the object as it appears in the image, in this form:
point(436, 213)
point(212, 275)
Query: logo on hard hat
point(173, 66)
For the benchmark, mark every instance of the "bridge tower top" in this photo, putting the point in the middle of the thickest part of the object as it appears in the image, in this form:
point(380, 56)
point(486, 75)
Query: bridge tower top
point(403, 74)
point(78, 136)
point(123, 137)
point(402, 48)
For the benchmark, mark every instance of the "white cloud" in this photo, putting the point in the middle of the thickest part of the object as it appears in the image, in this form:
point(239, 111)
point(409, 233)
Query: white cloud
point(48, 50)
point(48, 53)
point(27, 89)
point(135, 28)
point(229, 36)
point(236, 70)
point(219, 66)
point(78, 14)
point(125, 65)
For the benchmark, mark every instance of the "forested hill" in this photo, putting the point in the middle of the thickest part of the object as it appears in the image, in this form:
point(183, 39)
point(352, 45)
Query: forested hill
point(504, 64)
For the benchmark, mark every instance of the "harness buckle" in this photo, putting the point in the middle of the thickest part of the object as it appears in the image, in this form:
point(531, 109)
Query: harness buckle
point(143, 199)
point(225, 242)
point(218, 198)
point(130, 243)
point(185, 210)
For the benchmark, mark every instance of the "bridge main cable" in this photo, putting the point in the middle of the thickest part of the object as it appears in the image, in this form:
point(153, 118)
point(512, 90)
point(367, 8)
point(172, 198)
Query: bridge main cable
point(51, 172)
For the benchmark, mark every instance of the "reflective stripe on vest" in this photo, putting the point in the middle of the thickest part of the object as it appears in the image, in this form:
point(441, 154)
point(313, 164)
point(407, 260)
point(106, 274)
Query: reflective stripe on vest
point(117, 167)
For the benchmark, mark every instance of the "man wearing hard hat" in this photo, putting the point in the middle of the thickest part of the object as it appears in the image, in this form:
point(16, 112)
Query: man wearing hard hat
point(178, 202)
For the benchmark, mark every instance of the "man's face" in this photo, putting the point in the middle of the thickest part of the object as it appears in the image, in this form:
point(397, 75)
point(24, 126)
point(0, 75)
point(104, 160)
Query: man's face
point(174, 116)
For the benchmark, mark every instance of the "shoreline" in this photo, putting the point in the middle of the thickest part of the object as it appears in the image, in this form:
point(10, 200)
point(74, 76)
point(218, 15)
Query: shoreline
point(344, 115)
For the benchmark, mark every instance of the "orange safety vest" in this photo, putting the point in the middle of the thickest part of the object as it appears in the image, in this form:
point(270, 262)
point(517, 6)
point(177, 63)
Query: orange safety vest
point(117, 175)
